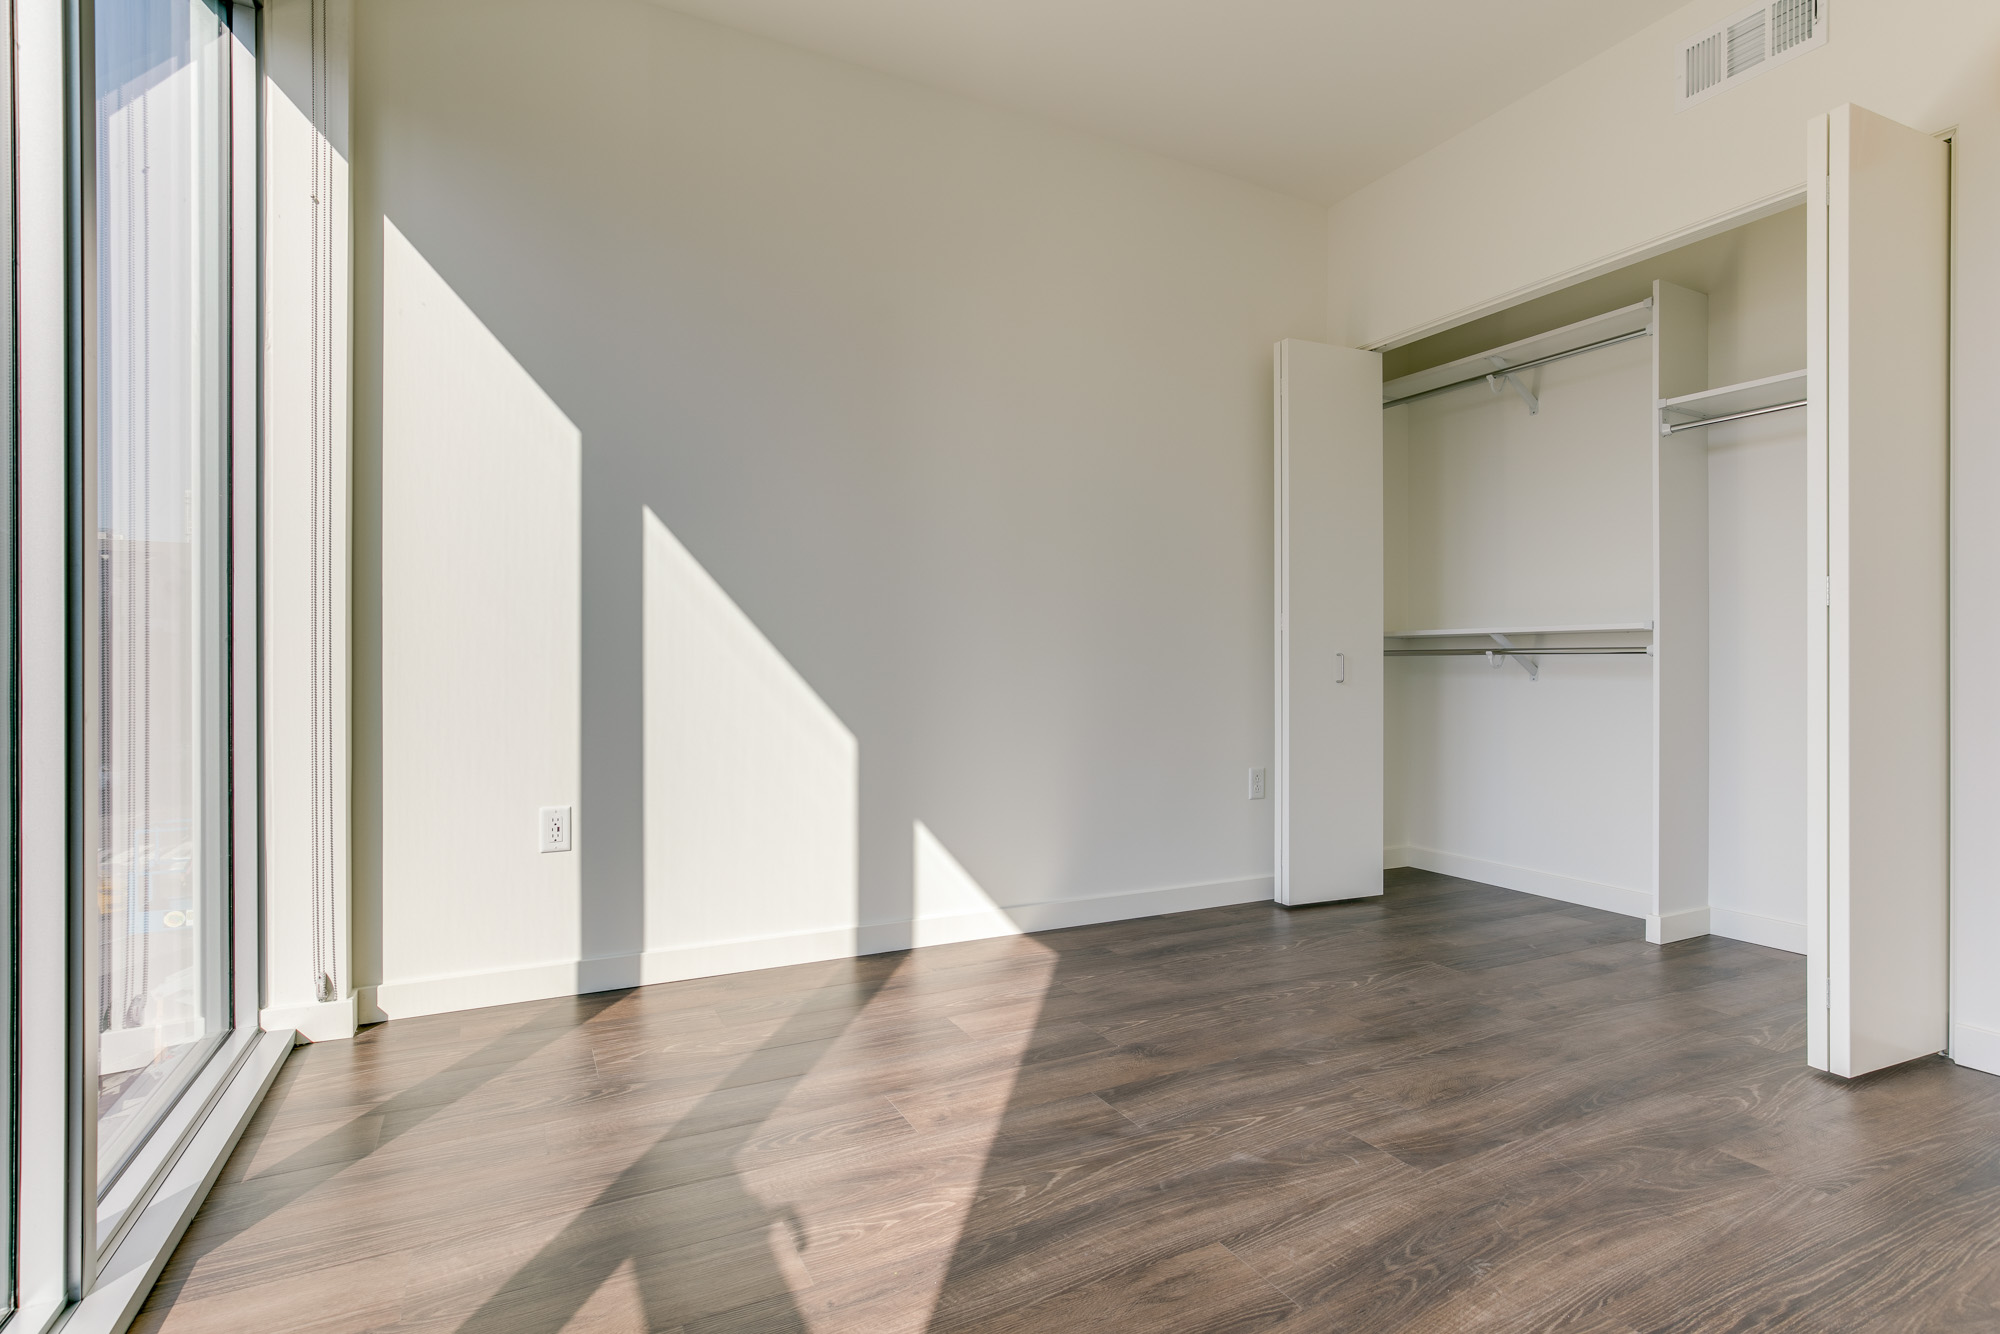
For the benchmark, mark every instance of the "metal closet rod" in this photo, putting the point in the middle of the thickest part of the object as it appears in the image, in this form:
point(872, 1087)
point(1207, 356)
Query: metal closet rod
point(1510, 652)
point(1521, 366)
point(1731, 417)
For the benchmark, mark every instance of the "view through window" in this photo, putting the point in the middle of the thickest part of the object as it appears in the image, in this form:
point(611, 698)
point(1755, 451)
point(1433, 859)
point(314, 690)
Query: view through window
point(156, 701)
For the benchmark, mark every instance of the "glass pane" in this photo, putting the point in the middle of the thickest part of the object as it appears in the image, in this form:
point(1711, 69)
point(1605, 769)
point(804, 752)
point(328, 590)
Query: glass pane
point(157, 721)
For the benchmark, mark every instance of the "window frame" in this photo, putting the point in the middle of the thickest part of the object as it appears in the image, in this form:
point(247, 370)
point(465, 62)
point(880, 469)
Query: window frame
point(84, 1238)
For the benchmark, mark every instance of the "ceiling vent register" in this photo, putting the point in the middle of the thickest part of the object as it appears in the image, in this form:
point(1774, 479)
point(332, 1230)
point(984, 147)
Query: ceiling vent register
point(1746, 44)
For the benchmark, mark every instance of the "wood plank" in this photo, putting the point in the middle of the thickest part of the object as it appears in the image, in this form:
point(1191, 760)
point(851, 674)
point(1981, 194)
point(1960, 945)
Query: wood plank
point(1454, 1107)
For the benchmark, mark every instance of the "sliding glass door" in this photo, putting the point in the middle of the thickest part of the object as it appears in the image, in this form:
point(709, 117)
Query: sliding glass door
point(128, 437)
point(155, 566)
point(10, 879)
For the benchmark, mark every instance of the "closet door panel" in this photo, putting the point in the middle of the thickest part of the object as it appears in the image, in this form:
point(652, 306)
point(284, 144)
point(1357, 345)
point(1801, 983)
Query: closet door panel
point(1878, 557)
point(1328, 782)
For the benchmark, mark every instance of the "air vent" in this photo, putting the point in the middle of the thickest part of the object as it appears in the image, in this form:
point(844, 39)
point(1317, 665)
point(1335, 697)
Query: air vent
point(1796, 23)
point(1704, 66)
point(1746, 44)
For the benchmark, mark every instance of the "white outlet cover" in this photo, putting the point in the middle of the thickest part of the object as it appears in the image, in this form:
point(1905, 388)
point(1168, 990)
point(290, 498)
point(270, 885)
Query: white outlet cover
point(1256, 785)
point(554, 827)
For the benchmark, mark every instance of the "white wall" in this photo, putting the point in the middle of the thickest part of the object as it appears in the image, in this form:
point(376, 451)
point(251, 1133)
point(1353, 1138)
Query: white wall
point(1597, 166)
point(690, 363)
point(479, 544)
point(1542, 519)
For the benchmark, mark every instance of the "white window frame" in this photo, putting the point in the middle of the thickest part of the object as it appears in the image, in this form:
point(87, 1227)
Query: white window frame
point(68, 1270)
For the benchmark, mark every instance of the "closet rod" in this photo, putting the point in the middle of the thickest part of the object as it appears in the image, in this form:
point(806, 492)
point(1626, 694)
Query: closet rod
point(1508, 652)
point(1732, 417)
point(1521, 366)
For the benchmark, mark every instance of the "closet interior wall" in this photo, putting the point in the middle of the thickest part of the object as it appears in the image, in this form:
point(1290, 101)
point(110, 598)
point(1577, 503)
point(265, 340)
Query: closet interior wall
point(1497, 518)
point(1570, 784)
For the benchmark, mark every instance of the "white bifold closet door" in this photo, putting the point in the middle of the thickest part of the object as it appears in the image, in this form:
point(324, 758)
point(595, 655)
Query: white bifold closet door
point(1328, 784)
point(1878, 344)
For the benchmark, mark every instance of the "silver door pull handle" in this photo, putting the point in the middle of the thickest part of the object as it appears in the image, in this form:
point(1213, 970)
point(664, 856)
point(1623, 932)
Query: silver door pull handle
point(1340, 669)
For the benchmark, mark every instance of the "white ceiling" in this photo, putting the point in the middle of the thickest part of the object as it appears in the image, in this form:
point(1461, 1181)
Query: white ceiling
point(1313, 97)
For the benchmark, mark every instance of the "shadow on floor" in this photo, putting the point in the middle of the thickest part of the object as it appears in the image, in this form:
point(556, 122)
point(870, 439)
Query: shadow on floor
point(1451, 1107)
point(298, 1174)
point(679, 1272)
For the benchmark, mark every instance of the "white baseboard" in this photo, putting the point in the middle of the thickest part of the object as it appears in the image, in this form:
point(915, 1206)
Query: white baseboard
point(327, 1022)
point(1686, 924)
point(1547, 884)
point(468, 991)
point(1976, 1048)
point(1055, 915)
point(1776, 932)
point(1732, 923)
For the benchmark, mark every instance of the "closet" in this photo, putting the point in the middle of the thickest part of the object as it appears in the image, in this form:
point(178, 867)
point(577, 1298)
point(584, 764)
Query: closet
point(1633, 595)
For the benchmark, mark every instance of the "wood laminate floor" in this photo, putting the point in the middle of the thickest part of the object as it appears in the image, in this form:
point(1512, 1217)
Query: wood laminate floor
point(1453, 1108)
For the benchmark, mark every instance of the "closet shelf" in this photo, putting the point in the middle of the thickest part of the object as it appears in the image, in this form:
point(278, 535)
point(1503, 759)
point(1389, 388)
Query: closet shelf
point(1625, 322)
point(1629, 627)
point(1773, 393)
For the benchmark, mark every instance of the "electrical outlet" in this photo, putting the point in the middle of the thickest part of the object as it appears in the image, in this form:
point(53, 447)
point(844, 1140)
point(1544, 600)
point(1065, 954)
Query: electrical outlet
point(555, 829)
point(1256, 785)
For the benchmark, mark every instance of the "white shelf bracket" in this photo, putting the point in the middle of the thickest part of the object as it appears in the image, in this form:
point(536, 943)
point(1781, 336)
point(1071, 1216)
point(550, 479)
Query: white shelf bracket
point(1493, 383)
point(1529, 665)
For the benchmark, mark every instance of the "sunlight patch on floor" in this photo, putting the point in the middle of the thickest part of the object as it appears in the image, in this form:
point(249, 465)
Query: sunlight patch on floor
point(617, 1306)
point(849, 1216)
